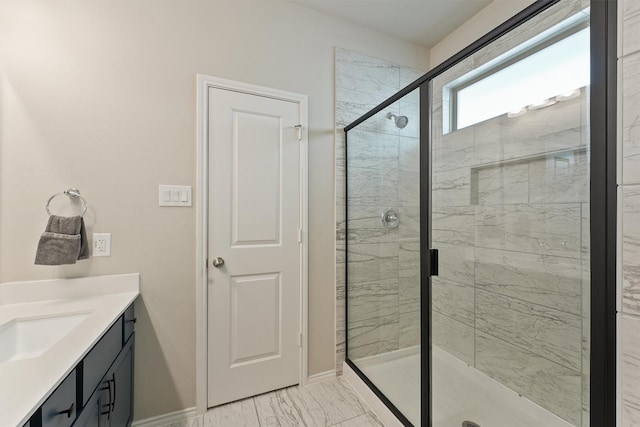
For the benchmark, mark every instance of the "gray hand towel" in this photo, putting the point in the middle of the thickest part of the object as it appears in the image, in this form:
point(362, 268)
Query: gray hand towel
point(63, 242)
point(84, 245)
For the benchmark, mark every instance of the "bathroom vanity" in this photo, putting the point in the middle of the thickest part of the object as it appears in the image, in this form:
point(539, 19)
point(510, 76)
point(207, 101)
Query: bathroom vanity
point(66, 352)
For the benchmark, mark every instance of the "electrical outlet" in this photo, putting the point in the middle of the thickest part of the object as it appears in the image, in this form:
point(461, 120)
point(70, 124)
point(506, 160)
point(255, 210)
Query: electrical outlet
point(101, 244)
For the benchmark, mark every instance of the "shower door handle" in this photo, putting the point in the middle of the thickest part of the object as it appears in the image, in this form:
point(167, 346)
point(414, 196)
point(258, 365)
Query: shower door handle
point(433, 253)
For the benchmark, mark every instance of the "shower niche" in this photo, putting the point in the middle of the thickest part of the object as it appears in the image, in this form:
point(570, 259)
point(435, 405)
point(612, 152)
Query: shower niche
point(501, 336)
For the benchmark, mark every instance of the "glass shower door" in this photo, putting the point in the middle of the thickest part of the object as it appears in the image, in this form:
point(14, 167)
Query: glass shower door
point(510, 218)
point(383, 254)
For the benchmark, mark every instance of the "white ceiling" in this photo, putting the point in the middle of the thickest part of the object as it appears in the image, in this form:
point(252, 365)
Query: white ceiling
point(425, 22)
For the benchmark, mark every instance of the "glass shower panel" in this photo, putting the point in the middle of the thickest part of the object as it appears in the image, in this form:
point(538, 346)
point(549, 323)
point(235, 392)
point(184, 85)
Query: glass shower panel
point(510, 218)
point(383, 252)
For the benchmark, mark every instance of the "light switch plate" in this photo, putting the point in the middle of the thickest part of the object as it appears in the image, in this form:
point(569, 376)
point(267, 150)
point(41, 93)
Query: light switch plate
point(174, 195)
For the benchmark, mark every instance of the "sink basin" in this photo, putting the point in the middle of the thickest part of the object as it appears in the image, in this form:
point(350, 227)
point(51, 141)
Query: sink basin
point(27, 338)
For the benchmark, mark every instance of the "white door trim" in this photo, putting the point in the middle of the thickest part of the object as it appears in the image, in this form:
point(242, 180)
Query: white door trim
point(205, 82)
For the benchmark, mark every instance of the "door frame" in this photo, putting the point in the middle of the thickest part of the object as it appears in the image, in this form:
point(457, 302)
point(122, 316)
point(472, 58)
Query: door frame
point(204, 83)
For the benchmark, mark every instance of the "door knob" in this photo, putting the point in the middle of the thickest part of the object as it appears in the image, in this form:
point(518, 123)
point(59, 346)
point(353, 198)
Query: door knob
point(218, 262)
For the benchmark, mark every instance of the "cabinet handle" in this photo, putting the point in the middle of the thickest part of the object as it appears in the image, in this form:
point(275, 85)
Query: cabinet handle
point(113, 402)
point(67, 411)
point(134, 320)
point(108, 405)
point(108, 387)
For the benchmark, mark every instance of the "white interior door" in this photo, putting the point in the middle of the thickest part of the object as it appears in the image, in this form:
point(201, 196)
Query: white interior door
point(254, 298)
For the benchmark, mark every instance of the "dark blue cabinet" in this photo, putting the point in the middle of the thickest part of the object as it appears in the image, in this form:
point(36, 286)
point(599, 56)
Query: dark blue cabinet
point(99, 391)
point(121, 376)
point(90, 415)
point(60, 409)
point(111, 403)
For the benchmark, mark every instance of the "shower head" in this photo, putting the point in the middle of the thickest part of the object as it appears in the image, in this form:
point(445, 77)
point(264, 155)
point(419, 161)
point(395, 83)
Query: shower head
point(401, 121)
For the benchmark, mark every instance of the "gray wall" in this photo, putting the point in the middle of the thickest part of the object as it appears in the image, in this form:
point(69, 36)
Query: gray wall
point(629, 211)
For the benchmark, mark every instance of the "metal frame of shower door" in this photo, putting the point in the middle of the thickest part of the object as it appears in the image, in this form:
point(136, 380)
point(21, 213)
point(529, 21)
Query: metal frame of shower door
point(426, 402)
point(603, 206)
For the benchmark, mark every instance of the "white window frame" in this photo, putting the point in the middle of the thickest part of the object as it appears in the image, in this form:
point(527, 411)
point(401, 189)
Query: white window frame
point(549, 37)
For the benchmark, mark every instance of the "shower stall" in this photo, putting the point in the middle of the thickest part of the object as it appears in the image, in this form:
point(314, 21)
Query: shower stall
point(470, 194)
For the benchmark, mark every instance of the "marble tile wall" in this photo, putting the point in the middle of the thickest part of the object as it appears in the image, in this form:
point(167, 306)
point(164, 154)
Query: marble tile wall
point(510, 199)
point(629, 217)
point(383, 173)
point(509, 227)
point(535, 278)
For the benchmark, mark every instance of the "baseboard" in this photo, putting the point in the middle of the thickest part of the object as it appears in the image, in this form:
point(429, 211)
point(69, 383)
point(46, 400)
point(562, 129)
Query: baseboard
point(185, 415)
point(383, 413)
point(164, 420)
point(387, 357)
point(322, 376)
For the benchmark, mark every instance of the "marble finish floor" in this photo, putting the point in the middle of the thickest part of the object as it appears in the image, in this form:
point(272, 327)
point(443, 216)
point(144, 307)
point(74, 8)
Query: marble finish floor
point(326, 404)
point(460, 392)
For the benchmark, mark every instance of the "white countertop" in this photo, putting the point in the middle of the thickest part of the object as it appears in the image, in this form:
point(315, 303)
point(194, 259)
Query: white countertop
point(25, 384)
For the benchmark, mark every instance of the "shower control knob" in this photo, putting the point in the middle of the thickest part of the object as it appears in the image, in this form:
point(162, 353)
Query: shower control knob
point(390, 218)
point(217, 262)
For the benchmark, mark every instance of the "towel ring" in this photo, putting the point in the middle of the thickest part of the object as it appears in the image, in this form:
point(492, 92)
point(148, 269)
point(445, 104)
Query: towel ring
point(71, 192)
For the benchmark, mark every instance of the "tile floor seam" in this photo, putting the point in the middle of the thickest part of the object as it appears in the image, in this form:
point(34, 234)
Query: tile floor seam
point(306, 387)
point(354, 417)
point(255, 408)
point(298, 410)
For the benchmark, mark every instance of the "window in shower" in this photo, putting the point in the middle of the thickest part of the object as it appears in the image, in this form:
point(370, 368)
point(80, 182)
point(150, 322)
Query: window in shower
point(548, 68)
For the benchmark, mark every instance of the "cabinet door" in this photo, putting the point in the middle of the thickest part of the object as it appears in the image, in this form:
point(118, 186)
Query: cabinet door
point(59, 410)
point(100, 358)
point(121, 376)
point(97, 411)
point(90, 416)
point(129, 323)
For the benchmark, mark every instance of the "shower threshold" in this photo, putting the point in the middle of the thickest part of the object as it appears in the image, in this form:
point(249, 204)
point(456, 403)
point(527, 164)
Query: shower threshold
point(461, 392)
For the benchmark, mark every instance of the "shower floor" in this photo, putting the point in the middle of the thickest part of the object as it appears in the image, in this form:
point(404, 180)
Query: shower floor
point(460, 392)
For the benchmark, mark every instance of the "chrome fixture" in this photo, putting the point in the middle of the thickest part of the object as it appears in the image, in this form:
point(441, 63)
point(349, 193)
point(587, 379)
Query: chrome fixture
point(217, 262)
point(73, 193)
point(390, 218)
point(401, 121)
